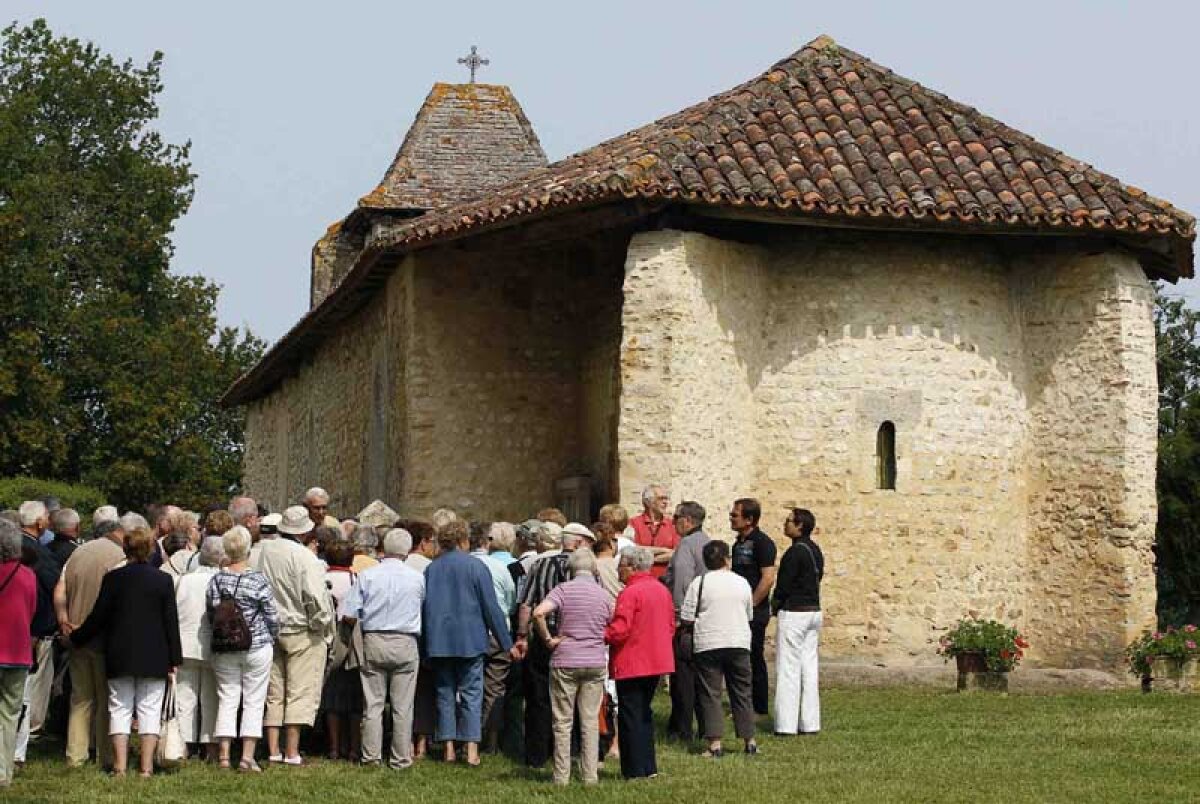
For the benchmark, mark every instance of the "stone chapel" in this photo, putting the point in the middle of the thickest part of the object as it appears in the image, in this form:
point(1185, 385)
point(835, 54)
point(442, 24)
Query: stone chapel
point(829, 286)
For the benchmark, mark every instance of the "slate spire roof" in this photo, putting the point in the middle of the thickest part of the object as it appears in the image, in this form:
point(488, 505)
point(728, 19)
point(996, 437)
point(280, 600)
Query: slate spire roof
point(827, 132)
point(466, 139)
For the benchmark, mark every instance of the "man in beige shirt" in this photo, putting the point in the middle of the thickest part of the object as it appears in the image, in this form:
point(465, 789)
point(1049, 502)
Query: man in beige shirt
point(74, 597)
point(306, 624)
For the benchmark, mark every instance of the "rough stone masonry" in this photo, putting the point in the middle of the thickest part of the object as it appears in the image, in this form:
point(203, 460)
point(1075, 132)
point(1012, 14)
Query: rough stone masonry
point(824, 272)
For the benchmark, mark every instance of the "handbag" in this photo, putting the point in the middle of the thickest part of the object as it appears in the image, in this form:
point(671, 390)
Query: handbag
point(171, 749)
point(687, 635)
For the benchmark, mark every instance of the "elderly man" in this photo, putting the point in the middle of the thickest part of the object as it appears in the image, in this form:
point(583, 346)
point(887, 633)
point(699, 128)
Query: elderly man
point(74, 597)
point(244, 512)
point(547, 572)
point(686, 564)
point(316, 501)
point(35, 520)
point(65, 524)
point(653, 528)
point(305, 628)
point(460, 611)
point(386, 603)
point(498, 661)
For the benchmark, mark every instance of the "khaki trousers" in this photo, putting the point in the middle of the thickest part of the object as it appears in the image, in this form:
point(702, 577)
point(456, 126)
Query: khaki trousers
point(297, 674)
point(41, 683)
point(12, 699)
point(576, 689)
point(389, 671)
point(87, 723)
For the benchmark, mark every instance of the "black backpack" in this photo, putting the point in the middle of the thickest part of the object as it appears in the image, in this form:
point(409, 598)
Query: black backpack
point(230, 631)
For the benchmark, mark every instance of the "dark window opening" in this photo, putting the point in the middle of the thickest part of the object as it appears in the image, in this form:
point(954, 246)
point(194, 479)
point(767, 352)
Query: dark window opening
point(885, 456)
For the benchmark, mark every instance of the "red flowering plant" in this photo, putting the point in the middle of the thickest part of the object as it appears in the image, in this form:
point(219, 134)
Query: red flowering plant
point(1002, 646)
point(1173, 643)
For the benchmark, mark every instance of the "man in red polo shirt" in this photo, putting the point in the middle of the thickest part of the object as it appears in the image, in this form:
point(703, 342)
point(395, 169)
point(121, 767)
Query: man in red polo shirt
point(653, 528)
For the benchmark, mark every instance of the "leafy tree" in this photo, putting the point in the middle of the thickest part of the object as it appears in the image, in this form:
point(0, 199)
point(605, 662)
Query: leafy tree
point(110, 365)
point(1177, 540)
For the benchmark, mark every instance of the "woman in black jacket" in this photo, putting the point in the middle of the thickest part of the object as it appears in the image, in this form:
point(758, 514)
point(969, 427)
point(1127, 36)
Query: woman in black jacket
point(135, 614)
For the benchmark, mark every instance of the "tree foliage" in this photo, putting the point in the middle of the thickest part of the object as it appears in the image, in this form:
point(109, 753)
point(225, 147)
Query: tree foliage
point(1177, 540)
point(109, 365)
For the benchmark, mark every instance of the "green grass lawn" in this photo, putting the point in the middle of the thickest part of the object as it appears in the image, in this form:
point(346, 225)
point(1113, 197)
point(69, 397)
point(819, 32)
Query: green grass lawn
point(878, 745)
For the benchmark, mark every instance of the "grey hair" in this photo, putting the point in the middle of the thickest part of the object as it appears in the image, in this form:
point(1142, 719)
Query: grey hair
point(582, 562)
point(105, 513)
point(648, 492)
point(641, 559)
point(11, 540)
point(692, 510)
point(212, 551)
point(550, 535)
point(365, 539)
point(503, 536)
point(31, 511)
point(442, 517)
point(106, 527)
point(64, 519)
point(241, 509)
point(236, 542)
point(133, 521)
point(397, 542)
point(316, 493)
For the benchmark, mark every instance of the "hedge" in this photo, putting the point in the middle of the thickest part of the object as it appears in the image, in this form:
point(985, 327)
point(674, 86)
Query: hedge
point(84, 499)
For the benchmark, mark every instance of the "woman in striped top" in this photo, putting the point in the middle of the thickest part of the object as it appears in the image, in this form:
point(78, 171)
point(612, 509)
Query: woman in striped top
point(242, 676)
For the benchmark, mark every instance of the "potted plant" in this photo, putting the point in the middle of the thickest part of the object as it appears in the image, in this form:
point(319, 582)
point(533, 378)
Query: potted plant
point(1167, 660)
point(985, 651)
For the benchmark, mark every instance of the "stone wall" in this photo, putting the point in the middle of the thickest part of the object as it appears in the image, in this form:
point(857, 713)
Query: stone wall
point(472, 381)
point(1094, 410)
point(497, 368)
point(768, 371)
point(693, 313)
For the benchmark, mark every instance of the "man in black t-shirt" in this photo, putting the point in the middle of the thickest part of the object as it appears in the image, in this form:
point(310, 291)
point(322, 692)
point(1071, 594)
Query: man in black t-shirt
point(754, 560)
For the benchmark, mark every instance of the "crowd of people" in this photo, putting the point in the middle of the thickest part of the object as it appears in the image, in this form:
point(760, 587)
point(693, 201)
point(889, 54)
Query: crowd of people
point(547, 639)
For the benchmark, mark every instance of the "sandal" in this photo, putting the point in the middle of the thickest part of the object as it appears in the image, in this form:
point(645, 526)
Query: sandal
point(249, 766)
point(714, 753)
point(224, 764)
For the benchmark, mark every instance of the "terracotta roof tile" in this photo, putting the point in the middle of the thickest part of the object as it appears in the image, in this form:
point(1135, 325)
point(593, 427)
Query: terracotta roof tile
point(824, 133)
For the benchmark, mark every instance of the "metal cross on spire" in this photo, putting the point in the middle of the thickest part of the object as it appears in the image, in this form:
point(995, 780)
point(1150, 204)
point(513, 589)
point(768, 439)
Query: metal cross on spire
point(473, 62)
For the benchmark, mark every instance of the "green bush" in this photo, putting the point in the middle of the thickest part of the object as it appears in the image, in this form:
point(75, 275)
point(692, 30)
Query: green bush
point(84, 499)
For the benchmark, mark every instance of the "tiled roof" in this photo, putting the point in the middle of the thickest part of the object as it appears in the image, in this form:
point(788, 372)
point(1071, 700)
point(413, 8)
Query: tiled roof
point(466, 139)
point(827, 132)
point(823, 134)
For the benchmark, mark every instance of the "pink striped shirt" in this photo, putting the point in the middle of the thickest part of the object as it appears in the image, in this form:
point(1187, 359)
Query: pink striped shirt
point(584, 609)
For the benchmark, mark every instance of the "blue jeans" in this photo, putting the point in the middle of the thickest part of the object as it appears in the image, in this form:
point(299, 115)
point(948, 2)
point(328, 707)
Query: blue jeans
point(459, 683)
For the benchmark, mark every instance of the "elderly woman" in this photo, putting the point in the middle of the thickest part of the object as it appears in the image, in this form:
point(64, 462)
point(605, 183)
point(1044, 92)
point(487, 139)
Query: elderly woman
point(136, 618)
point(18, 602)
point(640, 634)
point(196, 683)
point(366, 546)
point(577, 662)
point(459, 611)
point(718, 606)
point(242, 675)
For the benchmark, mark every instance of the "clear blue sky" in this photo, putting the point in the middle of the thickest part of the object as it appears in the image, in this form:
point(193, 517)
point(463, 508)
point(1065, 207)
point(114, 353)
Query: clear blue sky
point(294, 109)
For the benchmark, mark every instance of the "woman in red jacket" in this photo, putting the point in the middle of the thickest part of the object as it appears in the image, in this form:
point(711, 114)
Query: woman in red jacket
point(18, 601)
point(640, 635)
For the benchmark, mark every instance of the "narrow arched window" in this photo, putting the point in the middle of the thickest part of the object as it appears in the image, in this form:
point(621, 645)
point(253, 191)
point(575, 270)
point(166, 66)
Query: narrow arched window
point(885, 456)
